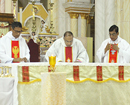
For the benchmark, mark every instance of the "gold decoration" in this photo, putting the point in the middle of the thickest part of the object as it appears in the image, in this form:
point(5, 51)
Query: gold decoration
point(1, 74)
point(74, 15)
point(15, 51)
point(14, 5)
point(34, 21)
point(88, 20)
point(24, 28)
point(69, 0)
point(51, 23)
point(5, 71)
point(47, 29)
point(84, 16)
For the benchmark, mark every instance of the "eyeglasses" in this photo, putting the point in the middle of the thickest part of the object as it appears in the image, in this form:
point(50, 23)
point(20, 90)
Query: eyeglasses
point(113, 34)
point(68, 41)
point(18, 31)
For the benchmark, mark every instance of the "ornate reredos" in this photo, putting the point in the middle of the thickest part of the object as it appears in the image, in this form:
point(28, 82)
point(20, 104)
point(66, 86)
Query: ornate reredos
point(27, 16)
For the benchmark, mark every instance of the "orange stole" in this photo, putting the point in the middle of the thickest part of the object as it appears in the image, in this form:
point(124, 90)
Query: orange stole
point(15, 49)
point(68, 54)
point(112, 56)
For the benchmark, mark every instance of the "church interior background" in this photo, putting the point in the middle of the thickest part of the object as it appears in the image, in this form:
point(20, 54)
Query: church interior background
point(89, 20)
point(46, 20)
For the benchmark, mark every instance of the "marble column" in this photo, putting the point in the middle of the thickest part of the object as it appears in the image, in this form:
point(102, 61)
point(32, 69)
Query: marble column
point(74, 23)
point(8, 6)
point(104, 18)
point(20, 9)
point(110, 15)
point(59, 17)
point(2, 8)
point(83, 25)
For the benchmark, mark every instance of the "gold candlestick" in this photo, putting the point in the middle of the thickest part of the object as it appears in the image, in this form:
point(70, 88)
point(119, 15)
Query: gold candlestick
point(34, 20)
point(14, 5)
point(52, 62)
point(2, 72)
point(51, 21)
point(10, 74)
point(6, 71)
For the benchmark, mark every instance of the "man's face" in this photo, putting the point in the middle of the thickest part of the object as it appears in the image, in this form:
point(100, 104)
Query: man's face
point(68, 39)
point(16, 31)
point(113, 35)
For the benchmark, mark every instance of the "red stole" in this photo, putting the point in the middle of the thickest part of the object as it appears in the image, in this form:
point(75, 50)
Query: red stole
point(68, 54)
point(15, 49)
point(113, 56)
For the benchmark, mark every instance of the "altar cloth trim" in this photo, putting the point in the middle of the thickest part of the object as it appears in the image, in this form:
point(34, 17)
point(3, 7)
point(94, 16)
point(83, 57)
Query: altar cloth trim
point(87, 79)
point(36, 80)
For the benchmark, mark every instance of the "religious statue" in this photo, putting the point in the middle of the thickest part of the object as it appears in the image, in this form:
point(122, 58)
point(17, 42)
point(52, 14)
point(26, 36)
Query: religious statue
point(34, 37)
point(43, 27)
point(35, 11)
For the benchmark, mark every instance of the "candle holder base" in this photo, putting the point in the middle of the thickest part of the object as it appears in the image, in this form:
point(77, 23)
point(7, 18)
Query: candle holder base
point(52, 68)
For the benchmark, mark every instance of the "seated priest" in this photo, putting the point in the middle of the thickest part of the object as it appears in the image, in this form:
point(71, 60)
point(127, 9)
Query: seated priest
point(114, 49)
point(68, 49)
point(13, 48)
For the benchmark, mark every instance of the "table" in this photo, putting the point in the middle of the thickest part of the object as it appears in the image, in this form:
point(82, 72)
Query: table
point(92, 84)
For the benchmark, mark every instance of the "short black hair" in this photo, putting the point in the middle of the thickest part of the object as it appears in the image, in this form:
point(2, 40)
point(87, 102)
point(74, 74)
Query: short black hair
point(68, 32)
point(16, 24)
point(114, 27)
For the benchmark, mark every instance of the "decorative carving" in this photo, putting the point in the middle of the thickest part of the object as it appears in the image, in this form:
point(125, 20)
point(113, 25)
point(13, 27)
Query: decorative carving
point(74, 15)
point(84, 16)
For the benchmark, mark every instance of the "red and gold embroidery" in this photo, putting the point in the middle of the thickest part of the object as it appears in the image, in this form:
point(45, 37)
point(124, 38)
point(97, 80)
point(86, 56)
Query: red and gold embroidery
point(99, 73)
point(76, 73)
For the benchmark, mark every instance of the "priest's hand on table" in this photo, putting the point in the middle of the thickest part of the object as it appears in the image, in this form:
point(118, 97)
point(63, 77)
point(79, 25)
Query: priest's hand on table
point(20, 59)
point(24, 59)
point(115, 47)
point(108, 46)
point(77, 61)
point(17, 59)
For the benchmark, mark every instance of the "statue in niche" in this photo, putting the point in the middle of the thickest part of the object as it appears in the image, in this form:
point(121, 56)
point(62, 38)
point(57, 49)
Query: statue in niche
point(43, 27)
point(34, 37)
point(35, 10)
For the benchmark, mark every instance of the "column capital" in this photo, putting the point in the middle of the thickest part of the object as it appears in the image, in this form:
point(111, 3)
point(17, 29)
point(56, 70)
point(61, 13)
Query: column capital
point(84, 15)
point(88, 20)
point(74, 15)
point(20, 7)
point(14, 1)
point(69, 0)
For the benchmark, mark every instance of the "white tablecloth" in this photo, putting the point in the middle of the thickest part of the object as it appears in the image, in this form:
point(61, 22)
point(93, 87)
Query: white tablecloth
point(6, 91)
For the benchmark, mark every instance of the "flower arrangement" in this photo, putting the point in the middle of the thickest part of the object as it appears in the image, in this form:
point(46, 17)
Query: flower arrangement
point(46, 41)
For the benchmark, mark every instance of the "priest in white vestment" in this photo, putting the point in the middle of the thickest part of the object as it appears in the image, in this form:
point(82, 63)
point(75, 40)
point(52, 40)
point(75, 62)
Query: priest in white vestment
point(114, 49)
point(13, 48)
point(68, 49)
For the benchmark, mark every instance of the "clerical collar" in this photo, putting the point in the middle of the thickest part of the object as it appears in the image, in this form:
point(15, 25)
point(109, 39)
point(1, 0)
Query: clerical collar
point(116, 41)
point(13, 38)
